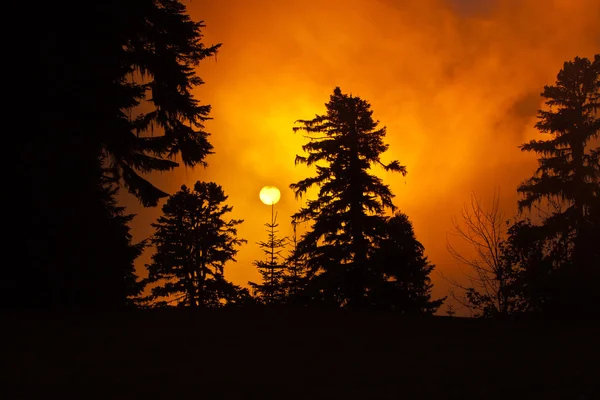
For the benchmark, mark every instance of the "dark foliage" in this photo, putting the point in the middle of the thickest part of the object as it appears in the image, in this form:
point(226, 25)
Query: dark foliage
point(526, 252)
point(97, 62)
point(567, 182)
point(193, 242)
point(343, 145)
point(272, 290)
point(347, 218)
point(398, 259)
point(295, 278)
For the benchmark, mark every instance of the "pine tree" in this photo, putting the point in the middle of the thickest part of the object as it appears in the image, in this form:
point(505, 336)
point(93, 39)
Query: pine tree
point(162, 45)
point(568, 178)
point(145, 56)
point(343, 145)
point(397, 257)
point(94, 70)
point(193, 242)
point(272, 290)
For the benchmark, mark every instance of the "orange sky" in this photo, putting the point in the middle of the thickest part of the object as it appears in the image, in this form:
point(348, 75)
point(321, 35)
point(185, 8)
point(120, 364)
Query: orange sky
point(456, 82)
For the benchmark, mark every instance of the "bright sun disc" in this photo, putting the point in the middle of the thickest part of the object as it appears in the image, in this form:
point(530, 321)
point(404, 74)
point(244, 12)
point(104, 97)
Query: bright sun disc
point(269, 195)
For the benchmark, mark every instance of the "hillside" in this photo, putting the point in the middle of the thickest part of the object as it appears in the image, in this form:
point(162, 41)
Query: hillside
point(295, 355)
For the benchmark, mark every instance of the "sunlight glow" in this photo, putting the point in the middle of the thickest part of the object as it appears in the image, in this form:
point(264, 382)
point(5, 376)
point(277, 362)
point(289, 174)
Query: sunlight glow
point(270, 195)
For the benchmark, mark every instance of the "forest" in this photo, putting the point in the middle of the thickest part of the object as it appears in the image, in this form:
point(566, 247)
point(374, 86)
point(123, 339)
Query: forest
point(359, 256)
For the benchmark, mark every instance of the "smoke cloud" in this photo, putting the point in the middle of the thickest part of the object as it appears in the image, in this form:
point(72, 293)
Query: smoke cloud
point(456, 83)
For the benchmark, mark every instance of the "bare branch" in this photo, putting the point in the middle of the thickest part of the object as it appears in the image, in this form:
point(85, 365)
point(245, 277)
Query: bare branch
point(483, 231)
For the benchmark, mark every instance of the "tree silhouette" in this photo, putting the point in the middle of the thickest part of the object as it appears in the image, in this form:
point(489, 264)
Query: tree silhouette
point(98, 278)
point(568, 178)
point(272, 289)
point(143, 62)
point(193, 242)
point(485, 232)
point(120, 285)
point(534, 287)
point(116, 86)
point(343, 145)
point(397, 257)
point(163, 46)
point(294, 278)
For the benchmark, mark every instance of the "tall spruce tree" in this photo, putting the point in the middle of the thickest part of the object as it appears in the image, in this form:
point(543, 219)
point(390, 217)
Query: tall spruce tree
point(193, 242)
point(343, 145)
point(568, 177)
point(95, 68)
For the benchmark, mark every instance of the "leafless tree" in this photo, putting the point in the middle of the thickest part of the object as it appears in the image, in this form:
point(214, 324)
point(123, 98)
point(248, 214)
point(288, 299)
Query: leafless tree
point(483, 231)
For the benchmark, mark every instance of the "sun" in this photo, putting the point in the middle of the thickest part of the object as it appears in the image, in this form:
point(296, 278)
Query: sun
point(269, 195)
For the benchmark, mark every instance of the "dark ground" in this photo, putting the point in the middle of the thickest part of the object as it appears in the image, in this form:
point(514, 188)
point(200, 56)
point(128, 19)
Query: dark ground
point(299, 355)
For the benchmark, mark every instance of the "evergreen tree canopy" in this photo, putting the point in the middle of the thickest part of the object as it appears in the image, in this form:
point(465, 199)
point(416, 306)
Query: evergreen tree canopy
point(398, 259)
point(525, 252)
point(272, 289)
point(120, 56)
point(114, 84)
point(343, 146)
point(568, 169)
point(116, 284)
point(568, 179)
point(193, 242)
